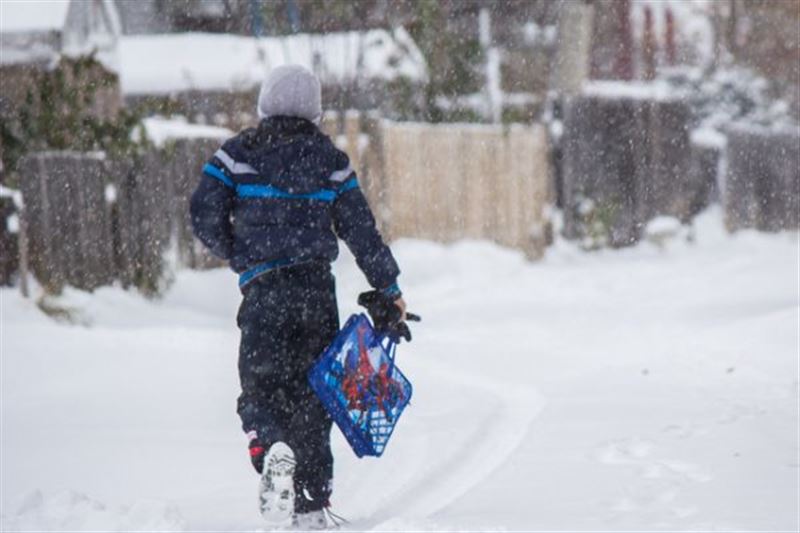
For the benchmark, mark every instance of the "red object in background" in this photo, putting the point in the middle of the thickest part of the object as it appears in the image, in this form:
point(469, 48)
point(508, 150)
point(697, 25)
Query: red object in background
point(649, 45)
point(669, 37)
point(623, 66)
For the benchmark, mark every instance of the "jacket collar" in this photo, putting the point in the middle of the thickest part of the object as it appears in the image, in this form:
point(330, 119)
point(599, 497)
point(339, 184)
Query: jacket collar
point(276, 130)
point(286, 126)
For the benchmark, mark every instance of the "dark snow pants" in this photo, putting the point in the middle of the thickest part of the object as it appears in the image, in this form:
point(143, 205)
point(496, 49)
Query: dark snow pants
point(287, 318)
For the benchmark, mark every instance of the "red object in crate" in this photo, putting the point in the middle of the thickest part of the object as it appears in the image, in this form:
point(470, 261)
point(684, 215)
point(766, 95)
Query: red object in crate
point(361, 387)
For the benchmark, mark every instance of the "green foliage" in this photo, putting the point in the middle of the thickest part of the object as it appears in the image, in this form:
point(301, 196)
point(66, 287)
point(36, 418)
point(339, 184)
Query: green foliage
point(454, 58)
point(406, 102)
point(164, 105)
point(518, 114)
point(154, 282)
point(459, 115)
point(596, 220)
point(444, 30)
point(60, 111)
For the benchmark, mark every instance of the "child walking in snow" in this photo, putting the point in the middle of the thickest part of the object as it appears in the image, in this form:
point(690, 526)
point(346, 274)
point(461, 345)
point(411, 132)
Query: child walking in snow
point(272, 201)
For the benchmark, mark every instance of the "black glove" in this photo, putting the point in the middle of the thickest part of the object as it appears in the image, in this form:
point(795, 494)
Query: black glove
point(386, 316)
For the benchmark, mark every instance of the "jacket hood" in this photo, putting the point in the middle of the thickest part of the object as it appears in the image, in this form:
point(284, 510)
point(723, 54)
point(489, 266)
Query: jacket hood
point(291, 153)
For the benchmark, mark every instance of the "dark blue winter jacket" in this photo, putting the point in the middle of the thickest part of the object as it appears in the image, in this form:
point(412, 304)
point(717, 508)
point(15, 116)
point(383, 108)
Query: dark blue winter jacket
point(278, 195)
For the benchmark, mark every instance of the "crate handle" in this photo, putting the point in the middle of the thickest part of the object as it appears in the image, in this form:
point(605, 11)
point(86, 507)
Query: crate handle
point(391, 348)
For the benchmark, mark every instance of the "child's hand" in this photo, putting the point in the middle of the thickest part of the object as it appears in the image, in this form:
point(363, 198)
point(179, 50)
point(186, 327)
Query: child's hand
point(388, 315)
point(402, 305)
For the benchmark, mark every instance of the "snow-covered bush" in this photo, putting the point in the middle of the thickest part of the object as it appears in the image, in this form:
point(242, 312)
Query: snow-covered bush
point(728, 95)
point(73, 106)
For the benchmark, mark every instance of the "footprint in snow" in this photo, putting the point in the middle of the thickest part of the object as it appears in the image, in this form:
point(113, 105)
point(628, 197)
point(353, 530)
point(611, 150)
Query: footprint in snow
point(685, 431)
point(628, 451)
point(656, 493)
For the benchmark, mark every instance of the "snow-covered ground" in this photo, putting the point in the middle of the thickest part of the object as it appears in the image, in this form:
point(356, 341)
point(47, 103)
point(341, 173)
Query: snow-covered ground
point(643, 389)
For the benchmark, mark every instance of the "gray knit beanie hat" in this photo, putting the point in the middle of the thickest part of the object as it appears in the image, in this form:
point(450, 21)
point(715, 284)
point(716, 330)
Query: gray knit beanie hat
point(290, 90)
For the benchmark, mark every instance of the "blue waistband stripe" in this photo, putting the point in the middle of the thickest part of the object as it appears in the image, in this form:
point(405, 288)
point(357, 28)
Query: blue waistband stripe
point(248, 275)
point(214, 172)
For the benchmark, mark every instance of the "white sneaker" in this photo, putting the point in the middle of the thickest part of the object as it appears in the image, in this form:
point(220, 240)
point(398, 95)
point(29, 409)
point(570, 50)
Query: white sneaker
point(311, 521)
point(276, 489)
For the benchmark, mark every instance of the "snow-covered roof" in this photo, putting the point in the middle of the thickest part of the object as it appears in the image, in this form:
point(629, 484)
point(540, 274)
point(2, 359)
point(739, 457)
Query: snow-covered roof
point(32, 15)
point(34, 31)
point(160, 130)
point(160, 64)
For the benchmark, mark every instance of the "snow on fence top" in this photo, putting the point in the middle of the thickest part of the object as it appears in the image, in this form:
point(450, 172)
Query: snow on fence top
point(160, 130)
point(708, 138)
point(631, 90)
point(160, 64)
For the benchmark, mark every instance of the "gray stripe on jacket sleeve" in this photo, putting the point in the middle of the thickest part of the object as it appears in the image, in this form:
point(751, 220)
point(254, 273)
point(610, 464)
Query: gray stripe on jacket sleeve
point(340, 175)
point(233, 166)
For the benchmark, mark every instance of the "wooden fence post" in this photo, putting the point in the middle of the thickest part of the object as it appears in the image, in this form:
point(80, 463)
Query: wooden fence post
point(23, 252)
point(374, 172)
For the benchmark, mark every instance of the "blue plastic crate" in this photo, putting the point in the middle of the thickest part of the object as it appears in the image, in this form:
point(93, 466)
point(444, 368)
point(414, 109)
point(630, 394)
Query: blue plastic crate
point(360, 386)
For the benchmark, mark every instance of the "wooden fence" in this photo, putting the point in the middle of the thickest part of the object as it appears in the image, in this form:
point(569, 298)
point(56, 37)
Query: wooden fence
point(9, 248)
point(90, 220)
point(454, 181)
point(761, 184)
point(93, 220)
point(625, 160)
point(628, 159)
point(67, 218)
point(152, 210)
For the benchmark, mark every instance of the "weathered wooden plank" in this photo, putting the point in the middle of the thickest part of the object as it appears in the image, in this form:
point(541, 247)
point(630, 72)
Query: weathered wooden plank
point(9, 253)
point(624, 160)
point(68, 227)
point(761, 188)
point(448, 182)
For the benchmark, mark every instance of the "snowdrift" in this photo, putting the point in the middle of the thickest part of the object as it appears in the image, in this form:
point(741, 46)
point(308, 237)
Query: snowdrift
point(647, 388)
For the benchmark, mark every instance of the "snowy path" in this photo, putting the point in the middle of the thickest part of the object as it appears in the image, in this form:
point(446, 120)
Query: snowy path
point(630, 390)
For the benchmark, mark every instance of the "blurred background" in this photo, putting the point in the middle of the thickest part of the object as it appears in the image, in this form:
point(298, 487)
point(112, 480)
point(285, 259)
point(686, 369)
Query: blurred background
point(586, 119)
point(595, 206)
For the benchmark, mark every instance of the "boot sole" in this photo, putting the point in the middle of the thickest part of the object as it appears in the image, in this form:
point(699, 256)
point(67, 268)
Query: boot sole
point(276, 489)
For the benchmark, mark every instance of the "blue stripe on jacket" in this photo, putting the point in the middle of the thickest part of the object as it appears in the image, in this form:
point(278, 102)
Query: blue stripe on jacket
point(268, 191)
point(348, 185)
point(243, 210)
point(214, 172)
